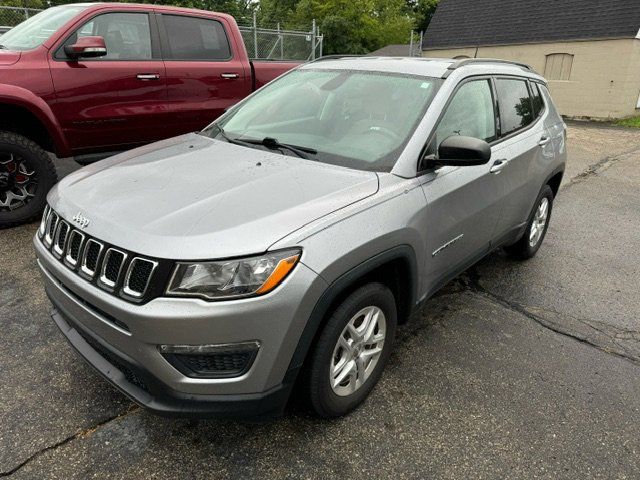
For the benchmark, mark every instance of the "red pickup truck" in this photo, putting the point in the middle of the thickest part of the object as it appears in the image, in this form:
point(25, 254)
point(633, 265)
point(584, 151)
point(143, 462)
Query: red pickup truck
point(94, 78)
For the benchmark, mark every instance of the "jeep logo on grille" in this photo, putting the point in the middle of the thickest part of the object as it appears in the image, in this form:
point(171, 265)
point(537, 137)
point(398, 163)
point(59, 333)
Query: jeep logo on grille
point(81, 220)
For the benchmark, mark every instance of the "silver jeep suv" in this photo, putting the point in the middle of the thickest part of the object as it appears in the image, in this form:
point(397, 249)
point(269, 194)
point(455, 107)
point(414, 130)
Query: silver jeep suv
point(209, 273)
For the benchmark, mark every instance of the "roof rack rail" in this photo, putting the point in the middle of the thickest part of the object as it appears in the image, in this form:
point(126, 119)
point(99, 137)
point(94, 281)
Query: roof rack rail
point(471, 61)
point(334, 57)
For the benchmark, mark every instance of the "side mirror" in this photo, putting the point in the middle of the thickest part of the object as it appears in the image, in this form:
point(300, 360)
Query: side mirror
point(86, 47)
point(461, 151)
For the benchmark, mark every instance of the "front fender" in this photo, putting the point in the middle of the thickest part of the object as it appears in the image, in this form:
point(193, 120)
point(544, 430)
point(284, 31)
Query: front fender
point(21, 97)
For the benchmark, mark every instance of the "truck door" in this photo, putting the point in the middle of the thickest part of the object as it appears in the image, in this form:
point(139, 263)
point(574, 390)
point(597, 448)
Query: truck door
point(205, 67)
point(118, 99)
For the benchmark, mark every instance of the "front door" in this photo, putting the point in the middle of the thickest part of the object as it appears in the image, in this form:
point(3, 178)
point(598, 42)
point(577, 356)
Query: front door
point(463, 203)
point(117, 100)
point(205, 75)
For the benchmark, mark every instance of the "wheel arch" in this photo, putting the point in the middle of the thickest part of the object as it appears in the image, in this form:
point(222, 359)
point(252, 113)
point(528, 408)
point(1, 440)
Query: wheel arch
point(555, 180)
point(26, 114)
point(392, 267)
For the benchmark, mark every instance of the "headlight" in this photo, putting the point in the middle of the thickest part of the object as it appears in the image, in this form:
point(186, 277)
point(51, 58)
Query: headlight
point(237, 278)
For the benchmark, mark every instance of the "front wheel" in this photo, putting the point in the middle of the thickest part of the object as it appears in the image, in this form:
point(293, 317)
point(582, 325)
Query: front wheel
point(26, 176)
point(352, 350)
point(537, 226)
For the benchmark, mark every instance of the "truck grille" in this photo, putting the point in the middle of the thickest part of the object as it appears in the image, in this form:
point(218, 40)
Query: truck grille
point(112, 269)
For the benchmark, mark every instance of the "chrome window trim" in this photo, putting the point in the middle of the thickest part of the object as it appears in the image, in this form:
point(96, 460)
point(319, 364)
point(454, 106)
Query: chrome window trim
point(48, 239)
point(83, 265)
point(131, 293)
point(103, 280)
point(57, 251)
point(69, 261)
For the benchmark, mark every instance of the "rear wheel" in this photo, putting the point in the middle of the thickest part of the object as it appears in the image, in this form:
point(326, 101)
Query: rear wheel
point(26, 175)
point(536, 230)
point(352, 350)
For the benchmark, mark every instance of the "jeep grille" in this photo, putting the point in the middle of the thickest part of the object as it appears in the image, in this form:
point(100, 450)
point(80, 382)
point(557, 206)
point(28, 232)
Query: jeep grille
point(121, 273)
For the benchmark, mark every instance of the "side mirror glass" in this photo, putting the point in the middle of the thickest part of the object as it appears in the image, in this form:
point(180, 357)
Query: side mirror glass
point(86, 47)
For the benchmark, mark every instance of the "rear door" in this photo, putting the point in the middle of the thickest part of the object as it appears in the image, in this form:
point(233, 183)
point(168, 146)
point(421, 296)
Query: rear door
point(117, 100)
point(523, 137)
point(463, 203)
point(205, 72)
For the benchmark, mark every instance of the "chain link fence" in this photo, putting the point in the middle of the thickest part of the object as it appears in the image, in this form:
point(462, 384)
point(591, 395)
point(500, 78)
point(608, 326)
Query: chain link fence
point(12, 16)
point(415, 45)
point(262, 43)
point(279, 44)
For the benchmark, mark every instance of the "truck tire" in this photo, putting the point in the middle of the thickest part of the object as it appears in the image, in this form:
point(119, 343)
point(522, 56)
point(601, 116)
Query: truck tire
point(26, 176)
point(351, 352)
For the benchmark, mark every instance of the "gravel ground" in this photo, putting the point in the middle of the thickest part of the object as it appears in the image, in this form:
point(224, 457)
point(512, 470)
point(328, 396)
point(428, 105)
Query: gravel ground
point(514, 370)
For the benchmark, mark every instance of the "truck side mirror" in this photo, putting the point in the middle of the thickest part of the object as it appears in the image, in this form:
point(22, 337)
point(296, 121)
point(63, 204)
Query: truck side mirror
point(86, 47)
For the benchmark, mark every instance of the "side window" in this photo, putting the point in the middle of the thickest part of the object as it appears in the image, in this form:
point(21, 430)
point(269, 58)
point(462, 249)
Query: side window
point(536, 97)
point(127, 35)
point(516, 108)
point(192, 38)
point(470, 113)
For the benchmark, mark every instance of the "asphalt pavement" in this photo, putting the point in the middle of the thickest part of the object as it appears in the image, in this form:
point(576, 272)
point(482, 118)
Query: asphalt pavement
point(514, 370)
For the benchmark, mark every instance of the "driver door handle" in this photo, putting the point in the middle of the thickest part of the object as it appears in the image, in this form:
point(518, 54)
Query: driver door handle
point(499, 165)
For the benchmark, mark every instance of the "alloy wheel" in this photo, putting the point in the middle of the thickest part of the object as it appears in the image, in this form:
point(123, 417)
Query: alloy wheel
point(357, 351)
point(539, 222)
point(18, 182)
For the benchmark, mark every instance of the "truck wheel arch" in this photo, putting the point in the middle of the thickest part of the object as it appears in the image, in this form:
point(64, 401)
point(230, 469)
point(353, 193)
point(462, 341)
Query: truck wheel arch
point(402, 256)
point(36, 119)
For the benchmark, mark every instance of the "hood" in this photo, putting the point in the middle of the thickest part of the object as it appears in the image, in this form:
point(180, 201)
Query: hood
point(192, 197)
point(8, 57)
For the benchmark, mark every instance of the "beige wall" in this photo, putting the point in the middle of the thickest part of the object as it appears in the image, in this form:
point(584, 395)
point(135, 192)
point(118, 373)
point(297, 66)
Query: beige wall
point(605, 76)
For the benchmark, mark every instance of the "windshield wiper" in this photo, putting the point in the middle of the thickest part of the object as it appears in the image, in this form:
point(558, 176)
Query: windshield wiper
point(274, 144)
point(2, 47)
point(268, 142)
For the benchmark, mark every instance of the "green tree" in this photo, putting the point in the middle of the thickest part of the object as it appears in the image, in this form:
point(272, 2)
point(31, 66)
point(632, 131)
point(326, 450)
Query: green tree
point(423, 10)
point(357, 26)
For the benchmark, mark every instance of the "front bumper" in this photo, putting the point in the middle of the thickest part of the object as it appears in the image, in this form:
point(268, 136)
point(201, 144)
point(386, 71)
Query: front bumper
point(92, 321)
point(136, 383)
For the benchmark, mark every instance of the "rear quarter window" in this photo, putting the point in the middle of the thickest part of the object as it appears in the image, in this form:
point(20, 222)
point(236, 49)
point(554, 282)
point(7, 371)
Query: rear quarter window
point(516, 108)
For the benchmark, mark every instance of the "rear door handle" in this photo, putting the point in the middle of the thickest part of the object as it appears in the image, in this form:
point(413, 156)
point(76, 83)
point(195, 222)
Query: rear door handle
point(499, 165)
point(229, 76)
point(544, 140)
point(148, 76)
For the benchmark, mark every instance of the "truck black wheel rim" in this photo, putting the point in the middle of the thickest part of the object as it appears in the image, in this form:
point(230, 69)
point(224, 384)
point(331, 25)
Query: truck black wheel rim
point(18, 182)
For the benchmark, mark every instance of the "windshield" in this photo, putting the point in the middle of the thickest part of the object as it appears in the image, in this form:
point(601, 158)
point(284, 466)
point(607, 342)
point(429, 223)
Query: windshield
point(33, 32)
point(355, 119)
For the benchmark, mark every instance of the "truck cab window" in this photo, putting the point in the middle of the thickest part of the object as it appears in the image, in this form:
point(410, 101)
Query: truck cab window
point(192, 38)
point(127, 36)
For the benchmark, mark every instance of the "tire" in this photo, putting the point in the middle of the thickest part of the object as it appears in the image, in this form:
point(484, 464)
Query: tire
point(526, 247)
point(326, 400)
point(26, 176)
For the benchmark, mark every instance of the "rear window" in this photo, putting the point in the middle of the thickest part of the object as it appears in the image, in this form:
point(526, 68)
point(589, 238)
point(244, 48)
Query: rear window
point(192, 38)
point(536, 97)
point(516, 109)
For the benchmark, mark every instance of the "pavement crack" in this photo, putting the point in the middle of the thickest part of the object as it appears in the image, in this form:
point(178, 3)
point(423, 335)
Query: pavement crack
point(598, 167)
point(473, 285)
point(84, 433)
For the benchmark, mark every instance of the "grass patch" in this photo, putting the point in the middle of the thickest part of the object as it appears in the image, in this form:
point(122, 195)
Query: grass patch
point(633, 122)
